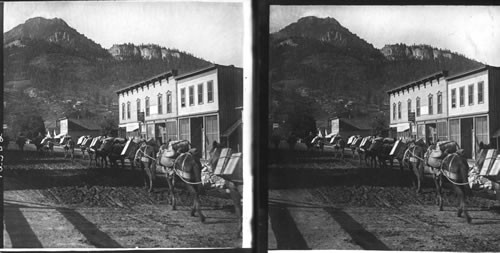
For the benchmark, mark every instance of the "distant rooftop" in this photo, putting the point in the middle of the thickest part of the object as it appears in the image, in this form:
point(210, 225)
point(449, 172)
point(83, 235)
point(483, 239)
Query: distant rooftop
point(436, 75)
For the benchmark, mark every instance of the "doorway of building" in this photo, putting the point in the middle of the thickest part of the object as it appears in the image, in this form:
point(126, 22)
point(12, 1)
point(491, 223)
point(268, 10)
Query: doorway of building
point(466, 126)
point(196, 133)
point(430, 133)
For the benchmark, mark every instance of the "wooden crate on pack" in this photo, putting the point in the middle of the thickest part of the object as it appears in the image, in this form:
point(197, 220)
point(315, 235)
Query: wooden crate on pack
point(80, 140)
point(225, 154)
point(87, 142)
point(93, 143)
point(495, 168)
point(396, 148)
point(363, 142)
point(234, 168)
point(334, 139)
point(127, 145)
point(63, 139)
point(349, 141)
point(357, 141)
point(314, 139)
point(488, 162)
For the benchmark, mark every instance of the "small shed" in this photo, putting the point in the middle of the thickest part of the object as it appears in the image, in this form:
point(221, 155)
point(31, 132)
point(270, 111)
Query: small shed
point(78, 127)
point(348, 127)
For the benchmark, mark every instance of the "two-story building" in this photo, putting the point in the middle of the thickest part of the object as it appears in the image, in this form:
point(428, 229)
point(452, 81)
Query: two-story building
point(149, 108)
point(474, 108)
point(200, 106)
point(419, 109)
point(210, 103)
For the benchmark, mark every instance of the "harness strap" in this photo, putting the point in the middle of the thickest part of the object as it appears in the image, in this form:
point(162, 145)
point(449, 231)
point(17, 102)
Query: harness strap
point(144, 152)
point(179, 172)
point(415, 156)
point(445, 172)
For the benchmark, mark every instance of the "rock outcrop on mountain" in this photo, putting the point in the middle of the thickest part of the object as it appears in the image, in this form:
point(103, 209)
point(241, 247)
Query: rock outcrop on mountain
point(55, 31)
point(47, 63)
point(147, 52)
point(327, 30)
point(419, 52)
point(318, 62)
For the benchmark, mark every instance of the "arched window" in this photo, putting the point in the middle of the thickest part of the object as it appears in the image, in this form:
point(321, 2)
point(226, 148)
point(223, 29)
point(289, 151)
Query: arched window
point(138, 107)
point(123, 111)
point(128, 110)
point(418, 106)
point(439, 102)
point(399, 110)
point(160, 104)
point(409, 107)
point(147, 106)
point(394, 111)
point(431, 104)
point(169, 102)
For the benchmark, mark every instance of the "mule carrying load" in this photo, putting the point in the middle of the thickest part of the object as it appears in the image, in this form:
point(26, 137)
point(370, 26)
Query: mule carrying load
point(486, 171)
point(440, 151)
point(168, 156)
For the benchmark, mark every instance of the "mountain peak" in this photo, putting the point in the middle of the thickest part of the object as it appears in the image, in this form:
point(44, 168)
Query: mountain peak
point(45, 21)
point(327, 30)
point(313, 20)
point(53, 31)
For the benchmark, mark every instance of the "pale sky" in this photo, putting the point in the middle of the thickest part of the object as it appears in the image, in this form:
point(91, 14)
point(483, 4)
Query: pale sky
point(210, 30)
point(473, 31)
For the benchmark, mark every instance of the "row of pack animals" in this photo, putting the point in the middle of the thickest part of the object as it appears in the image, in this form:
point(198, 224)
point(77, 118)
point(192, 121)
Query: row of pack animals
point(182, 165)
point(319, 143)
point(444, 159)
point(178, 161)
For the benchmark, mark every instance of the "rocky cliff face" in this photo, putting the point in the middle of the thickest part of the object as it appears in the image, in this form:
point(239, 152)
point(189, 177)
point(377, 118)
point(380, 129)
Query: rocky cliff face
point(419, 52)
point(54, 31)
point(326, 30)
point(147, 52)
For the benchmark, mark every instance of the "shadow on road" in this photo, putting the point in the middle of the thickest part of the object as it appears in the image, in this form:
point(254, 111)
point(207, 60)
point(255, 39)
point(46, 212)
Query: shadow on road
point(23, 236)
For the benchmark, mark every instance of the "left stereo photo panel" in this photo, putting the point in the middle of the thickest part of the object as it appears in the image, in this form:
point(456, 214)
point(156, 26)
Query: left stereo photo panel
point(124, 125)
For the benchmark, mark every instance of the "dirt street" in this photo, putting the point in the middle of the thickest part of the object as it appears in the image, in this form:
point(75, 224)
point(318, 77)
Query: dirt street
point(50, 202)
point(318, 202)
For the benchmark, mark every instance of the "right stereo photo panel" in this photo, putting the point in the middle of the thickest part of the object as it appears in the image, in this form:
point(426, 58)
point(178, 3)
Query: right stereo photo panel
point(384, 128)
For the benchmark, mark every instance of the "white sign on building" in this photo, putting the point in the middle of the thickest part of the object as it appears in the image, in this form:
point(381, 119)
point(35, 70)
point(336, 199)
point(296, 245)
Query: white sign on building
point(63, 126)
point(335, 126)
point(424, 110)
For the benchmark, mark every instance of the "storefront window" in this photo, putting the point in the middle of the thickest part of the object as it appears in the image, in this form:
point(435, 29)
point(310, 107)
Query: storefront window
point(455, 130)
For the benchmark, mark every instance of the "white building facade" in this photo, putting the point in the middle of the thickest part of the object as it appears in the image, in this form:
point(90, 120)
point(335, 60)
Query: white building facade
point(419, 109)
point(463, 108)
point(149, 108)
point(200, 106)
point(474, 108)
point(209, 105)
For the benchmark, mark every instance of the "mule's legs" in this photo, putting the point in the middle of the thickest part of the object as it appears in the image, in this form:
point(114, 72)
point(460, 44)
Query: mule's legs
point(171, 187)
point(418, 171)
point(401, 164)
point(149, 174)
point(196, 201)
point(438, 183)
point(145, 176)
point(460, 190)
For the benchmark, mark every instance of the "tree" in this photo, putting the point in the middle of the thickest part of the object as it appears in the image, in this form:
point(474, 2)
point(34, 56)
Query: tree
point(379, 123)
point(109, 126)
point(31, 125)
